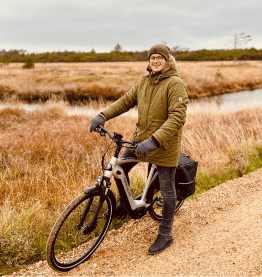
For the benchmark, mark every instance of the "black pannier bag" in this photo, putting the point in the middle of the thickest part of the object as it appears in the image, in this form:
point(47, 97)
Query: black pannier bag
point(185, 176)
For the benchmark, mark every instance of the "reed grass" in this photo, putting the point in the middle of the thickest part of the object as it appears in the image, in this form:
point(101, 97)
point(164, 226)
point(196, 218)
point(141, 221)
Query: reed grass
point(48, 157)
point(79, 82)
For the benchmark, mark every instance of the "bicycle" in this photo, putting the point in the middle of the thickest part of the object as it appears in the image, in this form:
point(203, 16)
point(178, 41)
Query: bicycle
point(83, 224)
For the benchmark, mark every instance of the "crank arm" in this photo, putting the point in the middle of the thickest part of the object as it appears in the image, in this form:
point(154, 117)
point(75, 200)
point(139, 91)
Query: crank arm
point(152, 203)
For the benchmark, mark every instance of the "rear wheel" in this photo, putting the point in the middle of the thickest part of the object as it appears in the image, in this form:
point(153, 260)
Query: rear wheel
point(74, 238)
point(154, 192)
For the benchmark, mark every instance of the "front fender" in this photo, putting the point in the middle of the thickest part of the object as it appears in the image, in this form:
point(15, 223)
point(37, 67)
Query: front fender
point(93, 189)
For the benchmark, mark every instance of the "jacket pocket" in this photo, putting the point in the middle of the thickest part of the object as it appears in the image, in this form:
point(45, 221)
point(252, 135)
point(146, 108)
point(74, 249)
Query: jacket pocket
point(150, 129)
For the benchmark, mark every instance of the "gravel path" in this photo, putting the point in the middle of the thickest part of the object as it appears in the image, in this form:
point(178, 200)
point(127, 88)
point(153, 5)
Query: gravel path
point(219, 233)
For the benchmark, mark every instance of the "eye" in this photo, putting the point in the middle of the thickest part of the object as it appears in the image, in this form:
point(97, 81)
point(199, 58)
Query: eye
point(158, 58)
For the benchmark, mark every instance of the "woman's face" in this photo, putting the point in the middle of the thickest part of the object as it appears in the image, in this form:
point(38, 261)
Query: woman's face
point(157, 62)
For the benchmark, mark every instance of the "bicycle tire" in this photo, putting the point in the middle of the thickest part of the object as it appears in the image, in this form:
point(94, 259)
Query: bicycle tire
point(156, 210)
point(67, 245)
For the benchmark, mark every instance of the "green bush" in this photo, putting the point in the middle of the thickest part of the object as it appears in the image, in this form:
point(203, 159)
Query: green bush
point(5, 61)
point(29, 63)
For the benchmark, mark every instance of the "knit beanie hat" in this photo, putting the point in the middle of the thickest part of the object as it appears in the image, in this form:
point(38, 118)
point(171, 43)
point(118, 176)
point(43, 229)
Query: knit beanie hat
point(159, 49)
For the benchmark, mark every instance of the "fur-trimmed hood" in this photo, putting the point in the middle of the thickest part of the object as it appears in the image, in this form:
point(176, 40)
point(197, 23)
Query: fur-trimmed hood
point(171, 63)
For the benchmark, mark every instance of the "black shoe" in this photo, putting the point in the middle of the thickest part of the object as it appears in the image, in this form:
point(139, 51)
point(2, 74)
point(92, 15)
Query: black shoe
point(160, 244)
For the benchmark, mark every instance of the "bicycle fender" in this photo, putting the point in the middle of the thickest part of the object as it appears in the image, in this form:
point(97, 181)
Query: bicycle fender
point(111, 195)
point(92, 189)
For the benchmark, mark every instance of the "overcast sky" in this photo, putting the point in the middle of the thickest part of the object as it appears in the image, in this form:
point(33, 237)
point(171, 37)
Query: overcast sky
point(80, 25)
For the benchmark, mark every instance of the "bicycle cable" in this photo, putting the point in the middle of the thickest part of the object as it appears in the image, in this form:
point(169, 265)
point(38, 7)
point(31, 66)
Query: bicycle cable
point(106, 150)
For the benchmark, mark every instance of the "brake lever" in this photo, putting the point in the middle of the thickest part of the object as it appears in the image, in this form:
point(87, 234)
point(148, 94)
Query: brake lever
point(100, 131)
point(134, 145)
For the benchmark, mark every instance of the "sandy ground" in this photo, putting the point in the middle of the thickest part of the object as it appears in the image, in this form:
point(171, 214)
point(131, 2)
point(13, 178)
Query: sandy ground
point(218, 233)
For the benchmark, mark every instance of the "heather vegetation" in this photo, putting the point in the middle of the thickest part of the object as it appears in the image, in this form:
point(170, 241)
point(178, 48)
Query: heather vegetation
point(48, 157)
point(84, 82)
point(181, 54)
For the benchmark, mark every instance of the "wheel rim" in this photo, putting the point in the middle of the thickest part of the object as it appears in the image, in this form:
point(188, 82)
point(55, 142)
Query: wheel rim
point(158, 205)
point(71, 245)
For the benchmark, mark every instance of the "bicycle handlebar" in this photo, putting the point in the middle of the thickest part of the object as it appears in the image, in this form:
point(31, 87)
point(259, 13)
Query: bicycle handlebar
point(117, 138)
point(102, 131)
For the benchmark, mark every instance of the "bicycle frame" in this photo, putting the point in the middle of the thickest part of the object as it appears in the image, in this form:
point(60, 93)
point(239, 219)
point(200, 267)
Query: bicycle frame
point(135, 207)
point(117, 171)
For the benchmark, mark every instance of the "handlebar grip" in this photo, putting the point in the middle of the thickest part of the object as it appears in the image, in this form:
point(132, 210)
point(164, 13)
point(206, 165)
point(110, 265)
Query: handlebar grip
point(102, 131)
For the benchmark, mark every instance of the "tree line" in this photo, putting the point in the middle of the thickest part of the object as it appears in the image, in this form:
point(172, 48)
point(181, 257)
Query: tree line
point(181, 54)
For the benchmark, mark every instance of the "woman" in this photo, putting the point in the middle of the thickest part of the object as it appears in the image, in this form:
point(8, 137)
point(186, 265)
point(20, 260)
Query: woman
point(161, 98)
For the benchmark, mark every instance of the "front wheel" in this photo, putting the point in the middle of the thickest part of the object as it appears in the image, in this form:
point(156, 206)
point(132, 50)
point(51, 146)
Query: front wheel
point(75, 235)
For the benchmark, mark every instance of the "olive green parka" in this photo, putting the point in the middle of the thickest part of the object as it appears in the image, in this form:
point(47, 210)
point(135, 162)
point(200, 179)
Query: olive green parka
point(161, 100)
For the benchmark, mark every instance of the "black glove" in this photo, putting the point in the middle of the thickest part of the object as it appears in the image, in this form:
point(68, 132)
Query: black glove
point(145, 146)
point(95, 122)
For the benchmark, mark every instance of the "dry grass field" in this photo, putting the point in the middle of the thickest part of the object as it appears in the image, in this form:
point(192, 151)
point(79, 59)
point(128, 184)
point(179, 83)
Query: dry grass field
point(48, 157)
point(84, 81)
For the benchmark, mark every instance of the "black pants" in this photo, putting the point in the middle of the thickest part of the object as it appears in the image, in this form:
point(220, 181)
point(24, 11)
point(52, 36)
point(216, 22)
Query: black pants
point(168, 190)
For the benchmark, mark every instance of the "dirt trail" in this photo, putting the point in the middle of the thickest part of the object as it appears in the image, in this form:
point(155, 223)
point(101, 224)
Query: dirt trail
point(218, 233)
